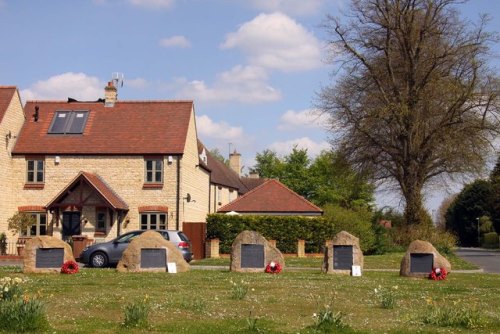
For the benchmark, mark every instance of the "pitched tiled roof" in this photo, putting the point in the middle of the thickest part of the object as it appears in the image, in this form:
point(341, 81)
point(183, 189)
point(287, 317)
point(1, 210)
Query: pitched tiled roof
point(99, 185)
point(272, 197)
point(130, 127)
point(6, 94)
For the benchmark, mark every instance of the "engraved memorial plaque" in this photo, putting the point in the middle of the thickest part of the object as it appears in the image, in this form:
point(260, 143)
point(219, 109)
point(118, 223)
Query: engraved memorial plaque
point(252, 256)
point(421, 262)
point(342, 257)
point(49, 257)
point(153, 258)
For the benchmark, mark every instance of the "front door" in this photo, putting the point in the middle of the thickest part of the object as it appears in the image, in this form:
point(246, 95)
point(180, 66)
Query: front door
point(71, 224)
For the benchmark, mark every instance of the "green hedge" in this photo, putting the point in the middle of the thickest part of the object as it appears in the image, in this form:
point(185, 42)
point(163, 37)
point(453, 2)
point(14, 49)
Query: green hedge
point(286, 230)
point(490, 240)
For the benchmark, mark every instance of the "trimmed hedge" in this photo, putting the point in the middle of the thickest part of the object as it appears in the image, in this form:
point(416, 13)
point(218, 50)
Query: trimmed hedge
point(286, 230)
point(490, 240)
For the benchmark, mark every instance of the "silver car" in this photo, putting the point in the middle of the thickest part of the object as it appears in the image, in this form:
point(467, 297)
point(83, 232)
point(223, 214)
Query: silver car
point(109, 253)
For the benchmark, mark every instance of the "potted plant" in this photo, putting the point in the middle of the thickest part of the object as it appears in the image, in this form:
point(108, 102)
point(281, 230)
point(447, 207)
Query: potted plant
point(19, 223)
point(3, 244)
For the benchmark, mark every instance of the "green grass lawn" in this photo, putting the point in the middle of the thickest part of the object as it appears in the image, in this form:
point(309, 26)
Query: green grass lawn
point(201, 301)
point(386, 261)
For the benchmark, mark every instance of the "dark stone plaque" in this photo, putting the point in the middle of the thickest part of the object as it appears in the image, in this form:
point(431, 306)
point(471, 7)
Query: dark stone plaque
point(153, 258)
point(421, 262)
point(252, 256)
point(49, 257)
point(342, 257)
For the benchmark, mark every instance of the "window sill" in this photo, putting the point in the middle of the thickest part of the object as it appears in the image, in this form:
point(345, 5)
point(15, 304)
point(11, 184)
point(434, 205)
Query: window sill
point(152, 186)
point(34, 185)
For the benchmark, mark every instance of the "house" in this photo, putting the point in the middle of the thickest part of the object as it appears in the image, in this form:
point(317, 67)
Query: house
point(101, 168)
point(272, 198)
point(11, 121)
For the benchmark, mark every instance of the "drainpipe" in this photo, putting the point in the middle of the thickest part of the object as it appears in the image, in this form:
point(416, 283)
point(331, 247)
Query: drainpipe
point(178, 192)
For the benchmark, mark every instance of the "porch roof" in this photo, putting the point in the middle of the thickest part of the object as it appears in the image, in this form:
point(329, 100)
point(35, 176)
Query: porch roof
point(98, 184)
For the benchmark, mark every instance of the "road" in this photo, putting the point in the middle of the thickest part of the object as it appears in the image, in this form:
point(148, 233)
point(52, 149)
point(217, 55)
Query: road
point(488, 260)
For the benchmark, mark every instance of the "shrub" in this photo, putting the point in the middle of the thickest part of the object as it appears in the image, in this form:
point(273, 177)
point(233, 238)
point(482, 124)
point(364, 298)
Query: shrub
point(442, 240)
point(287, 230)
point(490, 240)
point(3, 244)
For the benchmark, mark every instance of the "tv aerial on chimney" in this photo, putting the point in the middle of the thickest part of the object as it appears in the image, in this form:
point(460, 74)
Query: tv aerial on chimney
point(117, 79)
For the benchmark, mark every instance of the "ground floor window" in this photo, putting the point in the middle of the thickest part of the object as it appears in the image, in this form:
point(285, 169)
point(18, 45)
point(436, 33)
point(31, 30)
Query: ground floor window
point(153, 221)
point(39, 228)
point(100, 225)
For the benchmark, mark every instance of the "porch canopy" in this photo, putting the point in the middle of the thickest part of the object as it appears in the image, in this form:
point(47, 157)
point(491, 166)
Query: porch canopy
point(88, 189)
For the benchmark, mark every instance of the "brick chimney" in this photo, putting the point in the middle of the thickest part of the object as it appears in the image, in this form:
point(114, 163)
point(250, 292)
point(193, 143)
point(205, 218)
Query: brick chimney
point(235, 162)
point(110, 95)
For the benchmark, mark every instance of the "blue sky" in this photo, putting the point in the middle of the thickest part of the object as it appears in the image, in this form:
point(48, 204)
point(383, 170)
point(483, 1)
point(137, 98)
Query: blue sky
point(251, 66)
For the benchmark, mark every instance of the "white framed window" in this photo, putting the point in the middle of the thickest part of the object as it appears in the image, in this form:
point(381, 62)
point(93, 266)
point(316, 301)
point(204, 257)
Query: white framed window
point(40, 228)
point(35, 170)
point(153, 170)
point(154, 221)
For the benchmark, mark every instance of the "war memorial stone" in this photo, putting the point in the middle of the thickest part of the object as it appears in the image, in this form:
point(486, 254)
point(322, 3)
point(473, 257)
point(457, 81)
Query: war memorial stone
point(420, 258)
point(46, 254)
point(157, 252)
point(251, 252)
point(341, 254)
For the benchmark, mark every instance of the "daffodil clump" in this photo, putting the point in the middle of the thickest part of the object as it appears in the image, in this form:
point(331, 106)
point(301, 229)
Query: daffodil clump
point(19, 311)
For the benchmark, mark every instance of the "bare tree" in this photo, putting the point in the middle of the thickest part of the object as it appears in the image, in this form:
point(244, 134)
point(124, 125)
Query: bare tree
point(415, 97)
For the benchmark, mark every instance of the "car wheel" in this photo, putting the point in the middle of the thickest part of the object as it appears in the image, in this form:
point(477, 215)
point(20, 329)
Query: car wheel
point(98, 260)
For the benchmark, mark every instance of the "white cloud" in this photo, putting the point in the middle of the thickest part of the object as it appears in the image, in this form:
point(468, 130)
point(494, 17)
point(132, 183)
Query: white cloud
point(313, 148)
point(207, 128)
point(59, 87)
point(276, 41)
point(245, 84)
point(175, 41)
point(154, 4)
point(138, 83)
point(308, 118)
point(292, 7)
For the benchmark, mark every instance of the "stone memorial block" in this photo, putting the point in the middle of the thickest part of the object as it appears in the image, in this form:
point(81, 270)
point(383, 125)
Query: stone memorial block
point(152, 242)
point(49, 258)
point(46, 254)
point(251, 253)
point(341, 254)
point(153, 258)
point(420, 258)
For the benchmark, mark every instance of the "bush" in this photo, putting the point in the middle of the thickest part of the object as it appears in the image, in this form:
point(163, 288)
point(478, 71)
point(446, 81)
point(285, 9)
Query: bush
point(287, 230)
point(490, 240)
point(442, 240)
point(3, 244)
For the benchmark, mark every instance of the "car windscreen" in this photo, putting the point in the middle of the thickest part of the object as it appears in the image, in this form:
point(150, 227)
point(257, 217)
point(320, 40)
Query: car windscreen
point(183, 237)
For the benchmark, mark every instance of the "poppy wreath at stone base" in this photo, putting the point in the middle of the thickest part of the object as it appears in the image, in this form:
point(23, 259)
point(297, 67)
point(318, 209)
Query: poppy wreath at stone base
point(438, 274)
point(273, 268)
point(69, 267)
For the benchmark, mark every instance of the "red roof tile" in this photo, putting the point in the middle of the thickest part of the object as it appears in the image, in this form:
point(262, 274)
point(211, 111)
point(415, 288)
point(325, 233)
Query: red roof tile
point(99, 185)
point(272, 197)
point(6, 94)
point(130, 127)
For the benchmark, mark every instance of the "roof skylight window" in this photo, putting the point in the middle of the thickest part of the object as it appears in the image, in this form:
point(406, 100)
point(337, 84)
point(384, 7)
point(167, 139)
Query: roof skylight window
point(69, 122)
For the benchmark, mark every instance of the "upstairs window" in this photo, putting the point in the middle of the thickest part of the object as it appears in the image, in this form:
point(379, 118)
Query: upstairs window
point(35, 170)
point(153, 170)
point(69, 122)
